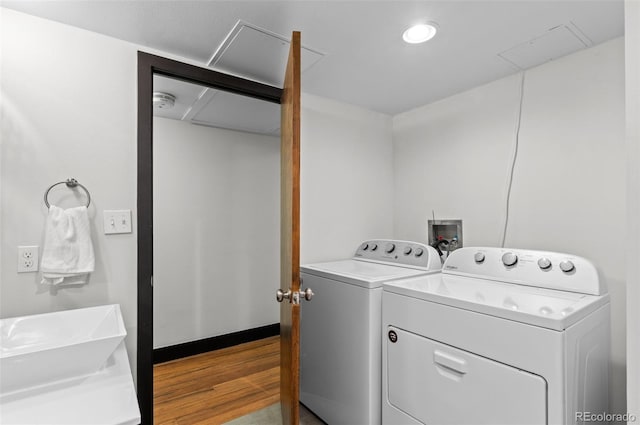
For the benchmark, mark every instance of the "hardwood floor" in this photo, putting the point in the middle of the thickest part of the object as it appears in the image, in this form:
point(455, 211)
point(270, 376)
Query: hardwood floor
point(216, 387)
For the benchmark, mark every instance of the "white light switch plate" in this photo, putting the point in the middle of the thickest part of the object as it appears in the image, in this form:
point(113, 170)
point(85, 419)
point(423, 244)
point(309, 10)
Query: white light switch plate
point(117, 221)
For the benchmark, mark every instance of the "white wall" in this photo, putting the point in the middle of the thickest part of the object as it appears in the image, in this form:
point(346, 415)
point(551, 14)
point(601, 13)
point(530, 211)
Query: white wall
point(68, 110)
point(346, 178)
point(568, 194)
point(632, 61)
point(216, 231)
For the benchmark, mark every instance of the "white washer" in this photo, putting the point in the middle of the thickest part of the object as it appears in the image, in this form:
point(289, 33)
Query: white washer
point(340, 339)
point(499, 337)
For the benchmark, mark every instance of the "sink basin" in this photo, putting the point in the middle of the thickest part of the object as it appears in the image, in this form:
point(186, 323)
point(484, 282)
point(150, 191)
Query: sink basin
point(47, 348)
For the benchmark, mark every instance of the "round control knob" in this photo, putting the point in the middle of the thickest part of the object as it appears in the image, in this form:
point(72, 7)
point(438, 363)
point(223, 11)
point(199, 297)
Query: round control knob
point(364, 246)
point(418, 252)
point(479, 257)
point(509, 259)
point(567, 266)
point(389, 248)
point(407, 250)
point(374, 246)
point(544, 263)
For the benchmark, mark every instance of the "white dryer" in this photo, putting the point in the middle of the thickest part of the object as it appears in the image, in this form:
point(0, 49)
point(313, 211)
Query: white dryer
point(499, 337)
point(340, 339)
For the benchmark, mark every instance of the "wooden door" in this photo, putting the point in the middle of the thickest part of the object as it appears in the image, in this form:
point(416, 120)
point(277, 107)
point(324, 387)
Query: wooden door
point(290, 237)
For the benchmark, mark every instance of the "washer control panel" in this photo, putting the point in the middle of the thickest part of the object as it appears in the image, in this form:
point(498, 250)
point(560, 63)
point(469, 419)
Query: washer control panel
point(541, 269)
point(404, 253)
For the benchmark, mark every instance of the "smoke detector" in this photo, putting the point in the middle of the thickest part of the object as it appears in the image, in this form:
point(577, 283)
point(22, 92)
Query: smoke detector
point(163, 100)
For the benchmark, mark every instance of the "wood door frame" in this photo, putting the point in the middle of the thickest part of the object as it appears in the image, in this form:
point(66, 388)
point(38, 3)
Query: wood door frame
point(148, 65)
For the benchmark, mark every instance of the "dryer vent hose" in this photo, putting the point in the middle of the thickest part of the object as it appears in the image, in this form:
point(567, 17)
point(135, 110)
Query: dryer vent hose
point(437, 244)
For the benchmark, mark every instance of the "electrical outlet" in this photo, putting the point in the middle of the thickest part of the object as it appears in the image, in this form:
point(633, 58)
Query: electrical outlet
point(27, 259)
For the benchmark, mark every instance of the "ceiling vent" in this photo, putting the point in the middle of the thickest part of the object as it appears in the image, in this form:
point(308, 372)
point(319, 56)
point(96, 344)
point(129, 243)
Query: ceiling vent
point(553, 44)
point(258, 54)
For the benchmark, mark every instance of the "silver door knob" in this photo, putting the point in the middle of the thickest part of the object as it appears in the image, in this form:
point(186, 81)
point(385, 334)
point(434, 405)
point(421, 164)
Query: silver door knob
point(307, 293)
point(281, 295)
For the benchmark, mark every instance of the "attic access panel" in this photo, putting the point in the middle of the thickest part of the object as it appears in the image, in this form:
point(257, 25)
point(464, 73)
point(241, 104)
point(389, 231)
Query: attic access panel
point(226, 110)
point(258, 54)
point(553, 44)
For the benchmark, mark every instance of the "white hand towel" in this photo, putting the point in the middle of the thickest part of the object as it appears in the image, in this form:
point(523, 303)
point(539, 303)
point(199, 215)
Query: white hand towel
point(67, 256)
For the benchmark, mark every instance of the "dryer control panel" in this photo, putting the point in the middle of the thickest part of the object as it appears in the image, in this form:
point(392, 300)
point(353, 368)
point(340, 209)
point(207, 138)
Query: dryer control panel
point(542, 269)
point(405, 253)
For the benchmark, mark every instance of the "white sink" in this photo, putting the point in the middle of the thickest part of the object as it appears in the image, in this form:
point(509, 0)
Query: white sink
point(66, 368)
point(43, 349)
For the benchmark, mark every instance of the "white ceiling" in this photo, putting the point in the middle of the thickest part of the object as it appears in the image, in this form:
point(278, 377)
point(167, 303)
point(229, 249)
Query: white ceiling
point(365, 61)
point(215, 108)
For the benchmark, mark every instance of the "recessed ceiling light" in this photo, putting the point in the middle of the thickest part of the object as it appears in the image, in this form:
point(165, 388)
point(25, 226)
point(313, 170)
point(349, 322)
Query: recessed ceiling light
point(419, 33)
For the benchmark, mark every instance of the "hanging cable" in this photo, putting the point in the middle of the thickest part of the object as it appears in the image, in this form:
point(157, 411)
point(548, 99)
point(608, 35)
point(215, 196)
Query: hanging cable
point(513, 161)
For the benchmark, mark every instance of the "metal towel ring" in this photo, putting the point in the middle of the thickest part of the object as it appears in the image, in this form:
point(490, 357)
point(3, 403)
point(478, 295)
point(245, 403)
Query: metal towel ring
point(71, 183)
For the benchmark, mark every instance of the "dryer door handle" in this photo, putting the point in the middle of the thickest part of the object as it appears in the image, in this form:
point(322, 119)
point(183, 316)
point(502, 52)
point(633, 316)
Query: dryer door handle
point(450, 362)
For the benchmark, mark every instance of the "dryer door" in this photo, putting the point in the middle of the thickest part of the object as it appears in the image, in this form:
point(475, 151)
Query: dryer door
point(439, 384)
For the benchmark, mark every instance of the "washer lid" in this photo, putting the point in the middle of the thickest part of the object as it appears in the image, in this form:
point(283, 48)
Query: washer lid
point(541, 307)
point(362, 273)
